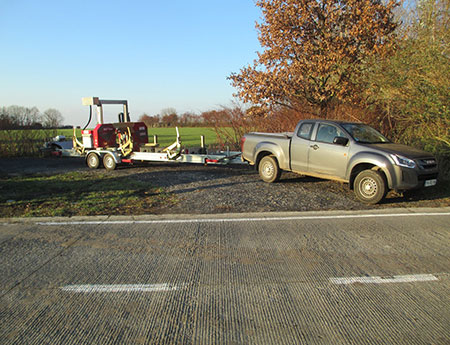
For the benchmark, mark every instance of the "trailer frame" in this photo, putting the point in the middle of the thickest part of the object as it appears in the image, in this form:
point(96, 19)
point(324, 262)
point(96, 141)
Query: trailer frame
point(111, 158)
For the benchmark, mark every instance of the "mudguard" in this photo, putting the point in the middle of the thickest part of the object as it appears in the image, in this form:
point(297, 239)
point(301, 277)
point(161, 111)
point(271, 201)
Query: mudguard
point(372, 158)
point(276, 150)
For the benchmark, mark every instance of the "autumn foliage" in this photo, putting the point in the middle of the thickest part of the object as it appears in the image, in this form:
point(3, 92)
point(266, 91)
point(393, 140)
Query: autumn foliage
point(312, 51)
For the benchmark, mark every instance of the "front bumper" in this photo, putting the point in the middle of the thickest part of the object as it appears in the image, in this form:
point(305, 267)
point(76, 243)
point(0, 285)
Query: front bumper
point(414, 178)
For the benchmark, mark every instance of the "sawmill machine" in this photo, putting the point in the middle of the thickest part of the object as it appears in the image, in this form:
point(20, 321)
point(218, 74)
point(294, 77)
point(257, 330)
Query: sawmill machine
point(124, 134)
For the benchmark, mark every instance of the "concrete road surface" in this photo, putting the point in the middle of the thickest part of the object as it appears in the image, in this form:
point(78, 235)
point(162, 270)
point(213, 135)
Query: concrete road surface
point(301, 278)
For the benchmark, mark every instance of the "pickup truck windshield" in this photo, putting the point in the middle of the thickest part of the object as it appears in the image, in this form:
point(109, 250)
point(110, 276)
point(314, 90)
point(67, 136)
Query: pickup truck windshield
point(364, 134)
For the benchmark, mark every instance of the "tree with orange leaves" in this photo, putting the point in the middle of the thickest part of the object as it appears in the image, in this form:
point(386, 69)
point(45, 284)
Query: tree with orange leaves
point(313, 50)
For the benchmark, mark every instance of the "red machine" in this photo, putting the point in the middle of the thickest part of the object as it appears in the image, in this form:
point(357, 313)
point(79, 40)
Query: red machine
point(108, 135)
point(138, 132)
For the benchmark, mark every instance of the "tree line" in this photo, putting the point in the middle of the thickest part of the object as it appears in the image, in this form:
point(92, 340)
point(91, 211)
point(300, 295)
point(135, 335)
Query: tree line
point(169, 118)
point(17, 117)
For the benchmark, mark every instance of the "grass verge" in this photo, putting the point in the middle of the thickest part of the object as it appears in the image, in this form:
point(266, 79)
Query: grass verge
point(78, 193)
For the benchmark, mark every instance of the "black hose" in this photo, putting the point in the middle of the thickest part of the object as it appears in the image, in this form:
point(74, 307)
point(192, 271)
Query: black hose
point(90, 117)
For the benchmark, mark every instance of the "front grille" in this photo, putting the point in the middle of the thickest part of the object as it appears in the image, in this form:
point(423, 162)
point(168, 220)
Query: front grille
point(427, 163)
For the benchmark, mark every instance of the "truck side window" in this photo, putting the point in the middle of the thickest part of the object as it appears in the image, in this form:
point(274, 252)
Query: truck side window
point(305, 131)
point(327, 133)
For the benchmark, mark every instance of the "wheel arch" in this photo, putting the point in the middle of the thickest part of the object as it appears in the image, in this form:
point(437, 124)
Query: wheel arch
point(370, 161)
point(265, 148)
point(367, 166)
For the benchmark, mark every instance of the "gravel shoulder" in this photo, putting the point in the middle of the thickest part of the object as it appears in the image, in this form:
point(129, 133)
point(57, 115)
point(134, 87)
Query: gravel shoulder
point(202, 189)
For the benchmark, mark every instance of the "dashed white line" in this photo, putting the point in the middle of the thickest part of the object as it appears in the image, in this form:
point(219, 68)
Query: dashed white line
point(384, 280)
point(91, 288)
point(247, 219)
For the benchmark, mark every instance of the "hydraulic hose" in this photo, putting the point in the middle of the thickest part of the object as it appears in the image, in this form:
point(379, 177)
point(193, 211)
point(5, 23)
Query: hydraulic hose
point(90, 117)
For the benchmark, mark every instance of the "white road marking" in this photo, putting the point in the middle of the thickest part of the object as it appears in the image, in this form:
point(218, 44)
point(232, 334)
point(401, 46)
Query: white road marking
point(120, 288)
point(384, 280)
point(261, 219)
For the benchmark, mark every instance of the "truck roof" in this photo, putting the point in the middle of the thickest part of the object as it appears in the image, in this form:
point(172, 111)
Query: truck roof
point(339, 122)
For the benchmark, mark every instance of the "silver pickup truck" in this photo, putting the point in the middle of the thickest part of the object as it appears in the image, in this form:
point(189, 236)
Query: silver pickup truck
point(353, 153)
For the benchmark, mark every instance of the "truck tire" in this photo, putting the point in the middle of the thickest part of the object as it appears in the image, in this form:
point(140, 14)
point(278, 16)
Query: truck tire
point(93, 160)
point(370, 187)
point(108, 162)
point(268, 169)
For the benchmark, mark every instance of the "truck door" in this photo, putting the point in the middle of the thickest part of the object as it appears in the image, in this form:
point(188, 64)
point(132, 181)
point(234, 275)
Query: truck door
point(300, 147)
point(326, 157)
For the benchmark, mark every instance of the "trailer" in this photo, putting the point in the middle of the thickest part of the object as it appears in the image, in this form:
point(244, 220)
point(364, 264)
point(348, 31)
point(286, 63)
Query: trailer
point(110, 159)
point(113, 144)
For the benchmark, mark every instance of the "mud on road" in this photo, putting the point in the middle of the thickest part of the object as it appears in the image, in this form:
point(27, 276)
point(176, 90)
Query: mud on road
point(202, 189)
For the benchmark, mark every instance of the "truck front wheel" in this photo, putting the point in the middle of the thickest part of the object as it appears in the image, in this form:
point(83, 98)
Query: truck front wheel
point(268, 168)
point(370, 187)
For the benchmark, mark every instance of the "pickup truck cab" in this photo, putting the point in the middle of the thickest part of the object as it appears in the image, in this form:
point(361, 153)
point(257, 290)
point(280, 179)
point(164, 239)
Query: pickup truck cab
point(353, 153)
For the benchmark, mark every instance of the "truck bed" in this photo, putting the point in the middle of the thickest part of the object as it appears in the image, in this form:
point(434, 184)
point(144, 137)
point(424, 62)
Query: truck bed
point(285, 135)
point(279, 142)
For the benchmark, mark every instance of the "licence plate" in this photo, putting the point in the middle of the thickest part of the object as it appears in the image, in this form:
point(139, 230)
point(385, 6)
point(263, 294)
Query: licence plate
point(429, 183)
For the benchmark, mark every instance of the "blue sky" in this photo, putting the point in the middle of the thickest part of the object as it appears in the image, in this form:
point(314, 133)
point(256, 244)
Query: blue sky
point(155, 54)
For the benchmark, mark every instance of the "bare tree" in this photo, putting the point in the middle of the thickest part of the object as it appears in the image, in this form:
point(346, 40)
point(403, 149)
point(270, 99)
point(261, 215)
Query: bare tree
point(169, 117)
point(52, 118)
point(150, 121)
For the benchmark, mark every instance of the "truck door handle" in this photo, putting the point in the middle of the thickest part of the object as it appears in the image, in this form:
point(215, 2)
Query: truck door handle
point(315, 146)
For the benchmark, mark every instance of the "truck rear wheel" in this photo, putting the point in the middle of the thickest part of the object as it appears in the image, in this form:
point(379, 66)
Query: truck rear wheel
point(268, 169)
point(93, 160)
point(108, 162)
point(370, 187)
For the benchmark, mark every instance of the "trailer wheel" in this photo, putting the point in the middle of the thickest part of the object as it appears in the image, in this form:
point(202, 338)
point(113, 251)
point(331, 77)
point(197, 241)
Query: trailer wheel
point(370, 187)
point(93, 160)
point(109, 162)
point(268, 169)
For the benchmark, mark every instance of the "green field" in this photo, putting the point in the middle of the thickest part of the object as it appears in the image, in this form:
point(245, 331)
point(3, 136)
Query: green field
point(190, 136)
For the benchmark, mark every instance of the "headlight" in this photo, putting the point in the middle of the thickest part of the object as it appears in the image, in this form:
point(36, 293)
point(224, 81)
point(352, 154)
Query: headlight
point(403, 161)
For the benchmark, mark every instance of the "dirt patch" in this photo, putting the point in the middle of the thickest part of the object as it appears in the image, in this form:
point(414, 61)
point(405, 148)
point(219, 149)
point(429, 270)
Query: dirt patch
point(202, 189)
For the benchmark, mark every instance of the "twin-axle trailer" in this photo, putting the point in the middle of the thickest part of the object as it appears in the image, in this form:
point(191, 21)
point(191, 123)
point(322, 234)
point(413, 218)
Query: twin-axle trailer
point(126, 142)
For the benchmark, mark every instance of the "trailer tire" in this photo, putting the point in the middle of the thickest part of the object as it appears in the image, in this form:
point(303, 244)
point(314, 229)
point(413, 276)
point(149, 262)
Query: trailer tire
point(268, 169)
point(108, 162)
point(93, 160)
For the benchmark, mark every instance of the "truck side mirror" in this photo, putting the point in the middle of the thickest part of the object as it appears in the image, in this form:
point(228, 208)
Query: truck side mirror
point(343, 141)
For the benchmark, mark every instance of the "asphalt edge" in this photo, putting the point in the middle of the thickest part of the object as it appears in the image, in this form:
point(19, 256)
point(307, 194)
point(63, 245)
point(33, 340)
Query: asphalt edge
point(206, 217)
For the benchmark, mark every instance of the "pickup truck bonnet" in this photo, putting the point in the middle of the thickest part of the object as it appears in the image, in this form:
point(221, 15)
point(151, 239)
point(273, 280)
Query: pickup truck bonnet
point(400, 149)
